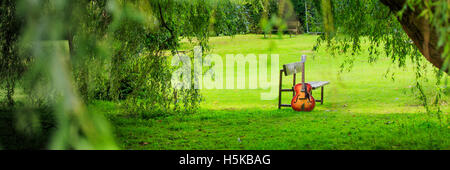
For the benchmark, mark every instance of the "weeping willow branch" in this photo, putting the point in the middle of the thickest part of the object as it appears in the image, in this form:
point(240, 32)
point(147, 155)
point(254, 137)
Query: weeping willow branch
point(164, 24)
point(420, 30)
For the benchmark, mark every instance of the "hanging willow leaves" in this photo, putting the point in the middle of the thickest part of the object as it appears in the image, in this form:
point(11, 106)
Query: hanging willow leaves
point(73, 53)
point(12, 66)
point(405, 29)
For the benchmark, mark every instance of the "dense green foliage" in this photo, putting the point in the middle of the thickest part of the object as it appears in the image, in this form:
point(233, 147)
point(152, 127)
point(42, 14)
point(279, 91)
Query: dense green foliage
point(308, 13)
point(12, 66)
point(115, 50)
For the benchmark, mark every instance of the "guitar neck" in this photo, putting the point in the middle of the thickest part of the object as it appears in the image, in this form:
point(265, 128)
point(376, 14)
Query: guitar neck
point(303, 73)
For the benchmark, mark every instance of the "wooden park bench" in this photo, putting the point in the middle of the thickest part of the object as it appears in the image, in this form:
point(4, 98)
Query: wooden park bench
point(293, 28)
point(293, 69)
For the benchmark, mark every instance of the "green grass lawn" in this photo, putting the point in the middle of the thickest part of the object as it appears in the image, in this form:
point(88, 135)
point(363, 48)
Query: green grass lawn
point(363, 109)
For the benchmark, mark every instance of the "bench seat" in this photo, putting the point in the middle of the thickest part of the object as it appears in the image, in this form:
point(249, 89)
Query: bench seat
point(317, 84)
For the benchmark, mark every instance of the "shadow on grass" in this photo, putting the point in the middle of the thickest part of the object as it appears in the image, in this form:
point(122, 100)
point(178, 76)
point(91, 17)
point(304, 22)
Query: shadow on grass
point(13, 139)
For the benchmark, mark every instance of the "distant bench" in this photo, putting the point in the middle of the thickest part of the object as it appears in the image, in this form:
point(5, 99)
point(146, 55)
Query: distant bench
point(293, 69)
point(293, 27)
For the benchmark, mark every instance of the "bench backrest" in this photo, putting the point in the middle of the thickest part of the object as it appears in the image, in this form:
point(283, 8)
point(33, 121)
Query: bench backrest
point(293, 25)
point(293, 68)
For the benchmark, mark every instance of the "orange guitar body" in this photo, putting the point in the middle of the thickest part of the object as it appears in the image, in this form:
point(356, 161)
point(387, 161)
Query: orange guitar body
point(303, 100)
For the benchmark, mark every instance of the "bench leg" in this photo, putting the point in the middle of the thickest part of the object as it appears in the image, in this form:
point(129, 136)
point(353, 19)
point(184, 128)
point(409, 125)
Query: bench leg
point(279, 89)
point(321, 95)
point(293, 85)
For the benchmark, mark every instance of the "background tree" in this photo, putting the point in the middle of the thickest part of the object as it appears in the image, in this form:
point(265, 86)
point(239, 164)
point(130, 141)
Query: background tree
point(12, 66)
point(427, 24)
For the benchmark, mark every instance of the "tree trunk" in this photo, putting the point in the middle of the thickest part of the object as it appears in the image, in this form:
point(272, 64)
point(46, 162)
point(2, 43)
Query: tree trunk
point(10, 85)
point(421, 32)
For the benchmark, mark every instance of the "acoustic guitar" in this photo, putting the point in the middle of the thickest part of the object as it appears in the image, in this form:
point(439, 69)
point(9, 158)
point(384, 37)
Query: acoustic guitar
point(303, 100)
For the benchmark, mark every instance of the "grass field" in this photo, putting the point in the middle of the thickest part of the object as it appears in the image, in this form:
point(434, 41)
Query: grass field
point(363, 109)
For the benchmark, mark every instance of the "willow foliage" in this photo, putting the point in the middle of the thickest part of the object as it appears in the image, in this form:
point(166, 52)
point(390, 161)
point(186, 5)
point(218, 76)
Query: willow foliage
point(370, 21)
point(12, 66)
point(69, 53)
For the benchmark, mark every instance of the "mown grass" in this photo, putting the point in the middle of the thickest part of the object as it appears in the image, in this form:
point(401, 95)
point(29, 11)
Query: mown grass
point(282, 129)
point(364, 108)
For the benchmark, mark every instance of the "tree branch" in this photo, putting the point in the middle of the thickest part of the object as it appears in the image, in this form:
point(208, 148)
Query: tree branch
point(421, 32)
point(163, 22)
